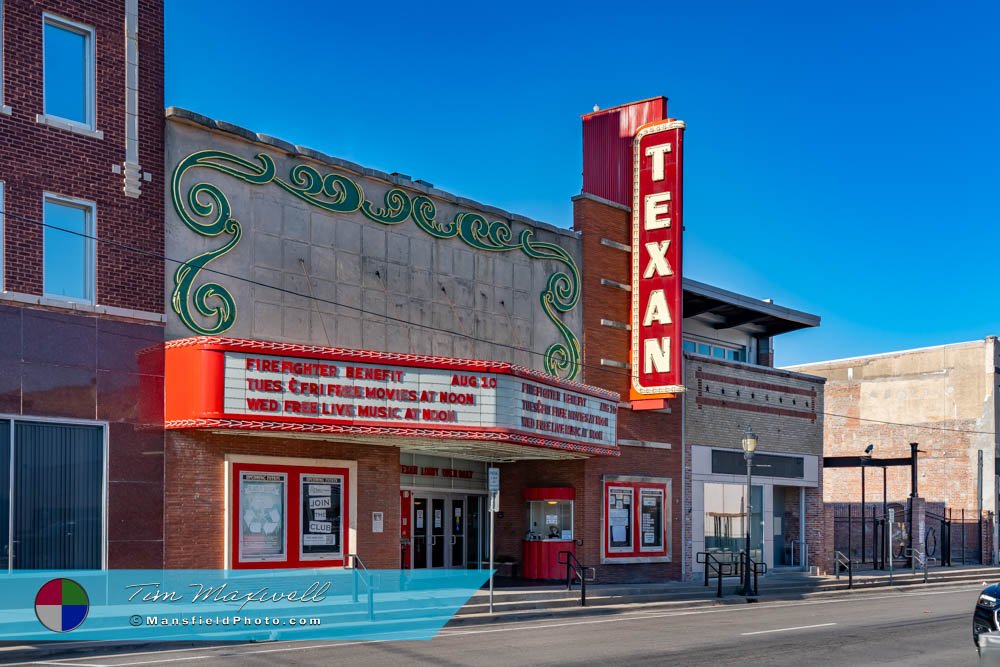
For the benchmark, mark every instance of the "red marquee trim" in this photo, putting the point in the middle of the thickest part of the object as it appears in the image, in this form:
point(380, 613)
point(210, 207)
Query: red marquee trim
point(383, 431)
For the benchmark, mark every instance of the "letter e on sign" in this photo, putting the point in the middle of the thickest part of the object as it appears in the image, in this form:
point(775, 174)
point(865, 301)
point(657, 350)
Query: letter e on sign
point(657, 227)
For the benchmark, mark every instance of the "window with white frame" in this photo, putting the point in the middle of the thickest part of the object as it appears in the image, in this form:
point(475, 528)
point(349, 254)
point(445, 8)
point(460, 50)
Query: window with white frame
point(68, 72)
point(68, 249)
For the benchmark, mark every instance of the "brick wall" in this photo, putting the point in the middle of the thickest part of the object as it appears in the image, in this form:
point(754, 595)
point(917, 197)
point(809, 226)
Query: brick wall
point(195, 481)
point(36, 158)
point(73, 362)
point(943, 398)
point(784, 409)
point(597, 220)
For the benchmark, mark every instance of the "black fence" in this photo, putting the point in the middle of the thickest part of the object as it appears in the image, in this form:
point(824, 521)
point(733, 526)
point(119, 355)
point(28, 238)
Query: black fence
point(863, 533)
point(954, 537)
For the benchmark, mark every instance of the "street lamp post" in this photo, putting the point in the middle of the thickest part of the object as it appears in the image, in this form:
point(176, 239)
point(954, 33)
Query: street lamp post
point(749, 444)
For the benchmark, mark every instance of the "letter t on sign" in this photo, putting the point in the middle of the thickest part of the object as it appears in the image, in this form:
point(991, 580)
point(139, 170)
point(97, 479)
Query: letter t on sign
point(657, 153)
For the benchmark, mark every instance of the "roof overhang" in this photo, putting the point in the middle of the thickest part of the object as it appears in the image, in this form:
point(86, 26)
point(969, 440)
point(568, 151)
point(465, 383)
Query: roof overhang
point(729, 309)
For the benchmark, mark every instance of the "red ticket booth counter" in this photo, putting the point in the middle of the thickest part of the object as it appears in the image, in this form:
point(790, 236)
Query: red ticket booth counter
point(549, 513)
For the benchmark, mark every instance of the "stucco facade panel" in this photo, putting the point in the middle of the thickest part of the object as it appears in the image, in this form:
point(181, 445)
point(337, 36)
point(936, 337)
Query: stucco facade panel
point(340, 279)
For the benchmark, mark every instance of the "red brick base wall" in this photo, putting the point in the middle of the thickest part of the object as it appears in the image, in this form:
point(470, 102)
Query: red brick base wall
point(194, 502)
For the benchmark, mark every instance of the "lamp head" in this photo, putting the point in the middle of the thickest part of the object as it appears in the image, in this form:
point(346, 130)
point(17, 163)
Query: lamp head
point(749, 442)
point(869, 448)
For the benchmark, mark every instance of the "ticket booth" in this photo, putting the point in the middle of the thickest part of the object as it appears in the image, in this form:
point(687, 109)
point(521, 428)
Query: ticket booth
point(549, 514)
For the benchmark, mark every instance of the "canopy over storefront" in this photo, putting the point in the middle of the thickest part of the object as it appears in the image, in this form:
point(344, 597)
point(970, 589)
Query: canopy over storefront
point(474, 409)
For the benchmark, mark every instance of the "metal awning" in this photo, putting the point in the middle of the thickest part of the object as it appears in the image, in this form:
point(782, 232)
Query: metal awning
point(729, 309)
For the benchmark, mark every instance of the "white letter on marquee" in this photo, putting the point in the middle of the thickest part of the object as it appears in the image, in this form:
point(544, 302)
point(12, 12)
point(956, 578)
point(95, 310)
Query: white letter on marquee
point(657, 153)
point(658, 263)
point(657, 204)
point(656, 354)
point(657, 309)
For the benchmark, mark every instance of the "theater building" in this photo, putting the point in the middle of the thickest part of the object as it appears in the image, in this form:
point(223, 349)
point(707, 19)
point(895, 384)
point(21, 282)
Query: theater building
point(81, 301)
point(348, 349)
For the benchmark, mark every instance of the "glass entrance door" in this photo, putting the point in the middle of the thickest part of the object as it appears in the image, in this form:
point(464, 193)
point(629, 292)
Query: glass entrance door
point(420, 533)
point(443, 528)
point(437, 533)
point(457, 532)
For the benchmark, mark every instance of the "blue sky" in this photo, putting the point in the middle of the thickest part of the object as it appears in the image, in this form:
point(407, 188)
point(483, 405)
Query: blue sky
point(841, 158)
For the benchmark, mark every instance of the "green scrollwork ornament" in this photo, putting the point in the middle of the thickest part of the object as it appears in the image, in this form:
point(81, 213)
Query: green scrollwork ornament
point(206, 211)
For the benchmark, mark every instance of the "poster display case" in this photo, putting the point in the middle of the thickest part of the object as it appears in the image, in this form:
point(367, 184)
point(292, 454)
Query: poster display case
point(636, 518)
point(549, 516)
point(287, 515)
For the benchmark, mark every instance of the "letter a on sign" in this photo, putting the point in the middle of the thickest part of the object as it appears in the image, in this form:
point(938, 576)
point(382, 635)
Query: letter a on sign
point(657, 293)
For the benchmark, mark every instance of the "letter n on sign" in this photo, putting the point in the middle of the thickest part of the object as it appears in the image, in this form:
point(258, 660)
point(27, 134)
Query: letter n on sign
point(657, 294)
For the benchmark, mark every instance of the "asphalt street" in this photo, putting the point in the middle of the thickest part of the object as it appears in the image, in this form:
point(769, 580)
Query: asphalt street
point(891, 628)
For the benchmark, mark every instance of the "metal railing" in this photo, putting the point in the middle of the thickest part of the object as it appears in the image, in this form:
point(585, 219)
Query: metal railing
point(917, 556)
point(574, 568)
point(367, 578)
point(839, 562)
point(803, 552)
point(755, 568)
point(722, 568)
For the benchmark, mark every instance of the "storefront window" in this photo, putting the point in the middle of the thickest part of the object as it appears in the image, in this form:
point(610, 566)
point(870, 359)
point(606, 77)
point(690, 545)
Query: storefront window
point(263, 516)
point(725, 511)
point(322, 500)
point(56, 482)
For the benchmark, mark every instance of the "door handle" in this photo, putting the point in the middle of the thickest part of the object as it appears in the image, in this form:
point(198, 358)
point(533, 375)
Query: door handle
point(453, 540)
point(434, 540)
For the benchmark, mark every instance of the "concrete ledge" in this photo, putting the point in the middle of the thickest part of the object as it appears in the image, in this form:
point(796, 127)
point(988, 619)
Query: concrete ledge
point(69, 126)
point(601, 200)
point(77, 307)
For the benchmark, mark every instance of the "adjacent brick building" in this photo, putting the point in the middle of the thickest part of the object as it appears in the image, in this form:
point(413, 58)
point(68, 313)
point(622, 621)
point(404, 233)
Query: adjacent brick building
point(81, 307)
point(943, 398)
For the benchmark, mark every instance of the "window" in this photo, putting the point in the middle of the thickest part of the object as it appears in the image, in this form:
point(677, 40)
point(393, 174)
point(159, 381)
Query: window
point(729, 352)
point(732, 462)
point(68, 71)
point(51, 496)
point(68, 249)
point(725, 514)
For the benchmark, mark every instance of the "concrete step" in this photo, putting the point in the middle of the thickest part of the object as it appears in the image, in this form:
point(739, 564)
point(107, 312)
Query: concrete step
point(517, 600)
